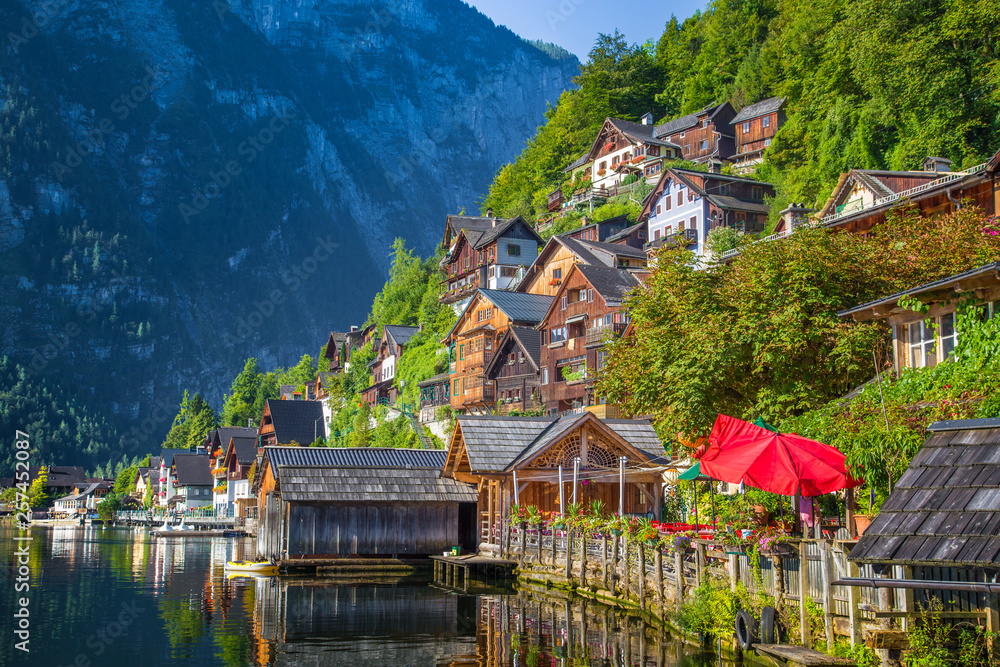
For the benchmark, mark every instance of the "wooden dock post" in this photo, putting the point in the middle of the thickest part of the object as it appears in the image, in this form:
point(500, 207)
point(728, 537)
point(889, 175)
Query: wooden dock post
point(658, 564)
point(569, 555)
point(907, 595)
point(553, 563)
point(734, 571)
point(853, 600)
point(804, 626)
point(604, 561)
point(993, 624)
point(583, 559)
point(614, 565)
point(826, 567)
point(642, 575)
point(699, 564)
point(679, 579)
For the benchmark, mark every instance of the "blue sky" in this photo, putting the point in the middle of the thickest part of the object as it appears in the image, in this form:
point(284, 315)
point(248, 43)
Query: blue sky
point(574, 24)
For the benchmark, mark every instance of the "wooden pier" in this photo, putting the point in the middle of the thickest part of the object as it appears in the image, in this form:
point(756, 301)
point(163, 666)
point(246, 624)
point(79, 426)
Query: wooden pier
point(465, 572)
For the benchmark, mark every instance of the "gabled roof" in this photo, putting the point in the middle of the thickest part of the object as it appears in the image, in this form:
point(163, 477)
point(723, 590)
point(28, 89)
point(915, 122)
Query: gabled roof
point(737, 204)
point(690, 120)
point(470, 223)
point(59, 475)
point(356, 457)
point(497, 444)
point(192, 470)
point(639, 132)
point(440, 378)
point(579, 162)
point(945, 509)
point(770, 105)
point(368, 485)
point(224, 434)
point(611, 284)
point(879, 182)
point(526, 338)
point(296, 421)
point(695, 180)
point(625, 233)
point(944, 283)
point(401, 334)
point(495, 232)
point(167, 456)
point(616, 249)
point(245, 450)
point(519, 307)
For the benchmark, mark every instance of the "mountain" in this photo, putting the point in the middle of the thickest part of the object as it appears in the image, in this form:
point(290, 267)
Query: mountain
point(186, 183)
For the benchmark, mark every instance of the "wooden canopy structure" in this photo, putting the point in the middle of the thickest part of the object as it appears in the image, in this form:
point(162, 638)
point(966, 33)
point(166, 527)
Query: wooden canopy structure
point(493, 452)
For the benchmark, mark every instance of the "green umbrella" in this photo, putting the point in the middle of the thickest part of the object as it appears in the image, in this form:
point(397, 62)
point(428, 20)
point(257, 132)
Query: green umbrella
point(693, 474)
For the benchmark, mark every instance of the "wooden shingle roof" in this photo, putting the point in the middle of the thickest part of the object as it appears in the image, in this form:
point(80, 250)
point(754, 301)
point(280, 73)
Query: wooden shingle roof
point(945, 509)
point(387, 485)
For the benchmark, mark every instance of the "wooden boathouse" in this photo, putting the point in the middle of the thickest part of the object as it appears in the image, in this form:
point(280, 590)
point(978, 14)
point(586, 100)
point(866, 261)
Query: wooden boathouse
point(495, 453)
point(323, 503)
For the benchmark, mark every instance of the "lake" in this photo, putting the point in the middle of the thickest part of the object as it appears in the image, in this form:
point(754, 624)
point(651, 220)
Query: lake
point(117, 597)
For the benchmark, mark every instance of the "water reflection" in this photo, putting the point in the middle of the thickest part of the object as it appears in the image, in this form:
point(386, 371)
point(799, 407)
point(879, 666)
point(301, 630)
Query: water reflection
point(189, 612)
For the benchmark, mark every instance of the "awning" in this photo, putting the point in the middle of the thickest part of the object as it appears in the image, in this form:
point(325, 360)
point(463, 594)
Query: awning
point(576, 318)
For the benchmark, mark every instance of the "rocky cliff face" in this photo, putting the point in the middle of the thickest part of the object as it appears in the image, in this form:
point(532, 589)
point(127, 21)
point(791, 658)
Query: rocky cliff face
point(185, 183)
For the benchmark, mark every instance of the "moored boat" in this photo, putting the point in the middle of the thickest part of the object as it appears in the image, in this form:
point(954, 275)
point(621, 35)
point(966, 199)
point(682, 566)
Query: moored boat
point(252, 566)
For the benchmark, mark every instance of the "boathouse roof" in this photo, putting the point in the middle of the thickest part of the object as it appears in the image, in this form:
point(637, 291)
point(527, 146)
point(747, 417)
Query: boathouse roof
point(945, 509)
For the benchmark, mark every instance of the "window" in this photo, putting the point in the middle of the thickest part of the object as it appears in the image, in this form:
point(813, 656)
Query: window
point(642, 235)
point(461, 351)
point(680, 198)
point(545, 375)
point(724, 189)
point(614, 161)
point(923, 344)
point(765, 121)
point(703, 145)
point(756, 192)
point(658, 209)
point(556, 274)
point(558, 334)
point(640, 150)
point(746, 126)
point(704, 123)
point(949, 336)
point(604, 165)
point(513, 250)
point(687, 148)
point(694, 222)
point(590, 296)
point(767, 142)
point(508, 271)
point(681, 135)
point(656, 234)
point(602, 357)
point(563, 302)
point(668, 203)
point(654, 150)
point(467, 260)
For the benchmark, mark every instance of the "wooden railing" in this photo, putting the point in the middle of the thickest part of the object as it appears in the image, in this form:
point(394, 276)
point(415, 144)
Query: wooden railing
point(598, 335)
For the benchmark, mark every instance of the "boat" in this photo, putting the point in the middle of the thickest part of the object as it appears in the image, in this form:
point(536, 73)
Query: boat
point(251, 567)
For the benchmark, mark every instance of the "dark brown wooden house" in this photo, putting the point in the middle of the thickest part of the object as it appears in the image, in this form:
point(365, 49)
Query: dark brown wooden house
point(291, 423)
point(585, 312)
point(754, 127)
point(491, 452)
point(383, 389)
point(325, 503)
point(435, 392)
point(599, 231)
point(514, 370)
point(703, 136)
point(634, 236)
point(494, 258)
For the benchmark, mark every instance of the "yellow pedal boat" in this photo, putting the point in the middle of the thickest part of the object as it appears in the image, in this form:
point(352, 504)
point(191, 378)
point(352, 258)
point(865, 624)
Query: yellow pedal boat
point(258, 567)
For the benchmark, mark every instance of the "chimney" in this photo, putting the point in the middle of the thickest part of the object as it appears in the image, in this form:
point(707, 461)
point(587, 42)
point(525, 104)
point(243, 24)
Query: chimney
point(489, 213)
point(647, 118)
point(584, 221)
point(250, 422)
point(937, 164)
point(793, 216)
point(715, 166)
point(354, 328)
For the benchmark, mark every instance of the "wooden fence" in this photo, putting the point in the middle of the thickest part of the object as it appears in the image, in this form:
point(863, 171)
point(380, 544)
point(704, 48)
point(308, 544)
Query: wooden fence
point(660, 580)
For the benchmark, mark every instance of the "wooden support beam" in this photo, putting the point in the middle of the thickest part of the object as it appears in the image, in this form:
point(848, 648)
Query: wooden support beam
point(826, 567)
point(853, 600)
point(734, 571)
point(679, 580)
point(642, 575)
point(658, 564)
point(804, 626)
point(699, 564)
point(907, 594)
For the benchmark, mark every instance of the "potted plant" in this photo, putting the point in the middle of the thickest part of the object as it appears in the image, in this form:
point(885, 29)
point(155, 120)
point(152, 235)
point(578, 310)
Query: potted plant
point(557, 521)
point(862, 521)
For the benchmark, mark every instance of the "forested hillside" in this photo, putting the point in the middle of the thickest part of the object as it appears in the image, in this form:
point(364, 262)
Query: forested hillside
point(870, 84)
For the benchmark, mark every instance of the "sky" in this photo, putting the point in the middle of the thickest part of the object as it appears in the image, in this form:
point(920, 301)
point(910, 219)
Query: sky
point(574, 24)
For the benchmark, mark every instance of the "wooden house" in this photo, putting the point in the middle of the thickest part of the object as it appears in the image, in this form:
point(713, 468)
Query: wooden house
point(239, 457)
point(166, 492)
point(473, 340)
point(191, 476)
point(60, 480)
point(634, 236)
point(291, 423)
point(494, 258)
point(704, 136)
point(585, 312)
point(383, 389)
point(435, 392)
point(924, 339)
point(562, 252)
point(941, 522)
point(83, 498)
point(599, 231)
point(325, 503)
point(514, 370)
point(754, 127)
point(624, 148)
point(863, 197)
point(493, 452)
point(686, 205)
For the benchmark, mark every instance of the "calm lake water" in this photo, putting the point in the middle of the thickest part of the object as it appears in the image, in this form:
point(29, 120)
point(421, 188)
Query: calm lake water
point(116, 597)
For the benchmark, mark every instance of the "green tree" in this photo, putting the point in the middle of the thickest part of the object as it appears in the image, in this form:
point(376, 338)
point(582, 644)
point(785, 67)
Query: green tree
point(147, 497)
point(361, 433)
point(38, 494)
point(125, 481)
point(109, 507)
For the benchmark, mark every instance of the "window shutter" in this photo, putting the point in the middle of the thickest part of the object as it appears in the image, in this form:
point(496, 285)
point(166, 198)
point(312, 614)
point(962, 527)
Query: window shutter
point(563, 302)
point(590, 296)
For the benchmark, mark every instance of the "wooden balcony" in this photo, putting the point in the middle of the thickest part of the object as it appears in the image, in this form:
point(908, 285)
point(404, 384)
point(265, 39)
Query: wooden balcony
point(457, 294)
point(477, 359)
point(597, 336)
point(555, 200)
point(605, 411)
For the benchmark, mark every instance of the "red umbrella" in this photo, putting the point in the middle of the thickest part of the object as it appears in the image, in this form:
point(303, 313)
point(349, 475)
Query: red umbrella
point(782, 463)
